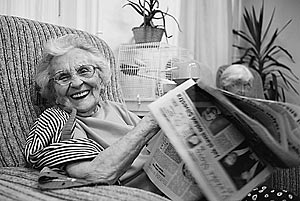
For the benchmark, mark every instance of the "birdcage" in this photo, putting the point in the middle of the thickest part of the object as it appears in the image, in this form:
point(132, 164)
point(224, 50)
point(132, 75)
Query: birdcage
point(145, 72)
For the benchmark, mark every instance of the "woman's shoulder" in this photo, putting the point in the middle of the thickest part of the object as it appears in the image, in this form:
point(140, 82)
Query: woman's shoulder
point(54, 113)
point(49, 123)
point(117, 105)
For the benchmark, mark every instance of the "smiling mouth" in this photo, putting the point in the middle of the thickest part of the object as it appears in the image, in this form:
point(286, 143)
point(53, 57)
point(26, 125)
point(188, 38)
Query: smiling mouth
point(80, 95)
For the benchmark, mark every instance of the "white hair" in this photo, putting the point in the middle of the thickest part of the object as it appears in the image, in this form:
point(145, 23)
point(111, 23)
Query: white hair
point(236, 72)
point(59, 46)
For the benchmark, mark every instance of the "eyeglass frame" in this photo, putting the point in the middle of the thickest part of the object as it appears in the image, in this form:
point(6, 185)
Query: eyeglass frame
point(240, 83)
point(72, 75)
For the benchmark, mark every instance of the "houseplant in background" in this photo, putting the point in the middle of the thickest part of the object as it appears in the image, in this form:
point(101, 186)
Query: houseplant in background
point(149, 31)
point(260, 52)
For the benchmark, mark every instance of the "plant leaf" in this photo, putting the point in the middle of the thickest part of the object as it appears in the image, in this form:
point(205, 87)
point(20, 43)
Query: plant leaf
point(287, 82)
point(287, 53)
point(249, 21)
point(279, 64)
point(271, 42)
point(244, 36)
point(269, 25)
point(284, 27)
point(135, 6)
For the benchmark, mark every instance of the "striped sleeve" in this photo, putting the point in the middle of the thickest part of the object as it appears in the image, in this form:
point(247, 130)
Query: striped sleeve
point(44, 147)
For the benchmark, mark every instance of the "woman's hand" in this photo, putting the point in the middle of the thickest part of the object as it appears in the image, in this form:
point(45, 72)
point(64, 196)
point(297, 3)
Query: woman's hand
point(148, 126)
point(114, 161)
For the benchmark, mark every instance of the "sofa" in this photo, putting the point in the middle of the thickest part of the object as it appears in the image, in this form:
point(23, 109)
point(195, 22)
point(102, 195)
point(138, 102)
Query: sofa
point(21, 42)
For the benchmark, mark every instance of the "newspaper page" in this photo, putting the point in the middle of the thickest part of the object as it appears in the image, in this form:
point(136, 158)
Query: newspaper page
point(170, 174)
point(282, 120)
point(209, 146)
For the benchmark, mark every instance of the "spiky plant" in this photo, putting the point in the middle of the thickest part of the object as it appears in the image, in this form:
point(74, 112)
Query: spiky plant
point(149, 10)
point(261, 53)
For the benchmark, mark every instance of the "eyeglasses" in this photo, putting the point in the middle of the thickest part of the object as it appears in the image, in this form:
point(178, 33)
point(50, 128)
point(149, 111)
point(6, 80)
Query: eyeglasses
point(239, 87)
point(65, 77)
point(241, 84)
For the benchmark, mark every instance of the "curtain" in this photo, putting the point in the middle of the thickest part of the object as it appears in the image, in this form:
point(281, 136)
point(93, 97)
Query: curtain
point(207, 31)
point(237, 12)
point(45, 10)
point(89, 15)
point(206, 24)
point(79, 14)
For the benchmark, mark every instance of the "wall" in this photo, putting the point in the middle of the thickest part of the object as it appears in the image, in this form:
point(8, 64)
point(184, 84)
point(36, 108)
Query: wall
point(113, 23)
point(107, 19)
point(290, 37)
point(118, 21)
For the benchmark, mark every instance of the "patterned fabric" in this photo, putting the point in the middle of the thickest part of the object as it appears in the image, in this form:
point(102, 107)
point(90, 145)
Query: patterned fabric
point(265, 193)
point(21, 42)
point(288, 179)
point(18, 183)
point(90, 135)
point(44, 147)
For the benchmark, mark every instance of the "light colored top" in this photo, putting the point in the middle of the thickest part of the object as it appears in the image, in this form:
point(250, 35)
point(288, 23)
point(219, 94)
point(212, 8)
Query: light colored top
point(90, 136)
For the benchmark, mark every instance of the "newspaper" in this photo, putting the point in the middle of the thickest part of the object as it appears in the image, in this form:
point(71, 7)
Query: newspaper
point(213, 145)
point(281, 119)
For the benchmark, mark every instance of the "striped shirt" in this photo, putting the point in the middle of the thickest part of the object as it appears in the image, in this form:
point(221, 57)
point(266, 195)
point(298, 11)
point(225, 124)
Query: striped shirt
point(44, 147)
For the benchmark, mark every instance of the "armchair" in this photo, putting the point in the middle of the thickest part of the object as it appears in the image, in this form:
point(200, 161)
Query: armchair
point(21, 42)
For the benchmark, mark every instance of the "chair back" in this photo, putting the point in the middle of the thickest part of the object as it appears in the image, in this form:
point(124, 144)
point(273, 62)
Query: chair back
point(21, 43)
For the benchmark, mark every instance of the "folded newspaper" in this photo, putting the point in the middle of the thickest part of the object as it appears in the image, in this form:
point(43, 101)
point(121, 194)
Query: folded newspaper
point(218, 146)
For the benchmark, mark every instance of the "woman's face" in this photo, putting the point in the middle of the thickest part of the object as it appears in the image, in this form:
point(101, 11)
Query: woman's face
point(231, 158)
point(210, 114)
point(81, 93)
point(240, 87)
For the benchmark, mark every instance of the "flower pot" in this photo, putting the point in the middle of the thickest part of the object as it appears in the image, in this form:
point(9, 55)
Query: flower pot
point(147, 34)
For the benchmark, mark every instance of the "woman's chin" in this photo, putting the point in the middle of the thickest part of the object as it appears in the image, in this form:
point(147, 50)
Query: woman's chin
point(87, 111)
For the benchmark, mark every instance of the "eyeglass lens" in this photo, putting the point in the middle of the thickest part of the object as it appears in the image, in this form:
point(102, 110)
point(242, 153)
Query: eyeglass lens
point(65, 77)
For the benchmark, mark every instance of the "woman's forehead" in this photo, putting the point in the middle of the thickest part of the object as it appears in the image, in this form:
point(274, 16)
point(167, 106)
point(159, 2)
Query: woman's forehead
point(72, 59)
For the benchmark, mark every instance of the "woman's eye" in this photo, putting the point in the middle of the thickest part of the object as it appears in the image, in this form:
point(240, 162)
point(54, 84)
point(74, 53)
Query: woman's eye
point(84, 70)
point(63, 76)
point(247, 85)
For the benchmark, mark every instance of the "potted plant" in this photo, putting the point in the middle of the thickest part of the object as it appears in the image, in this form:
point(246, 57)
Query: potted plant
point(260, 52)
point(148, 31)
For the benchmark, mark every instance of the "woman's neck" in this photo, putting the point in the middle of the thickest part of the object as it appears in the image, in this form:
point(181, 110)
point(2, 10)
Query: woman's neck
point(88, 113)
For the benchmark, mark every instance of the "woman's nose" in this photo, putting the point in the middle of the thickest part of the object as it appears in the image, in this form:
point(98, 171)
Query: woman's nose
point(76, 81)
point(242, 90)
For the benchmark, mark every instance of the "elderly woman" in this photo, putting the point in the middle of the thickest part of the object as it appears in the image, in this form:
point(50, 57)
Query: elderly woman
point(95, 140)
point(237, 79)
